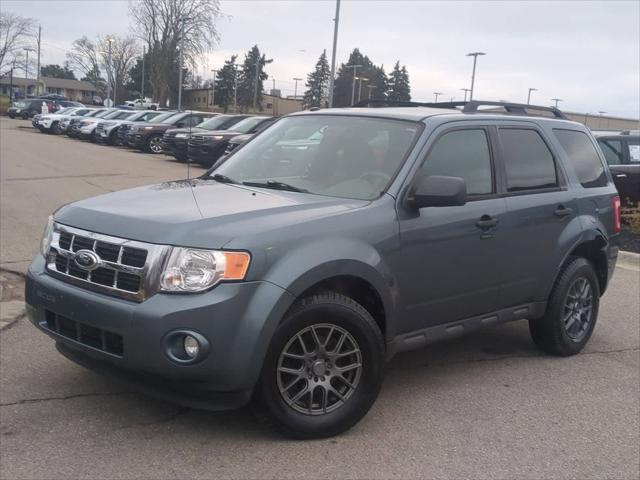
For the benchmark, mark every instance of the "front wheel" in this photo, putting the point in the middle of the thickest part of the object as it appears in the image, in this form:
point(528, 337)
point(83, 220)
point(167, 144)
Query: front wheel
point(154, 144)
point(323, 369)
point(572, 310)
point(55, 128)
point(25, 115)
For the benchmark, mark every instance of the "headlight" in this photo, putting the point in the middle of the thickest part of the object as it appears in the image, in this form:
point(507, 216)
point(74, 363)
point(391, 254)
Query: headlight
point(147, 128)
point(217, 137)
point(194, 270)
point(46, 237)
point(181, 135)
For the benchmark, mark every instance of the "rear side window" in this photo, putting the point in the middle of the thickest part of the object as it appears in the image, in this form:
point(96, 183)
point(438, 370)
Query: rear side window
point(465, 154)
point(612, 150)
point(528, 161)
point(583, 157)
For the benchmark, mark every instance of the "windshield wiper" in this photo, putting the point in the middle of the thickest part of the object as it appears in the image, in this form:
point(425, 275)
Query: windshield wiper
point(276, 186)
point(218, 177)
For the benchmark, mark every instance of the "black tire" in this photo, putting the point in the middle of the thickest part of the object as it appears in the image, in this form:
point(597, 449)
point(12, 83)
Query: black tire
point(25, 115)
point(331, 314)
point(55, 128)
point(563, 330)
point(150, 144)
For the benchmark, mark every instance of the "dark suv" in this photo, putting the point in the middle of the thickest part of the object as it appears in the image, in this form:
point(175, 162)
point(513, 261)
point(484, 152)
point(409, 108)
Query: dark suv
point(147, 136)
point(622, 152)
point(288, 276)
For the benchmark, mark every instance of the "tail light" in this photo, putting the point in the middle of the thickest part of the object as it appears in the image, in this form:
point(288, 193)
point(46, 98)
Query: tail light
point(616, 215)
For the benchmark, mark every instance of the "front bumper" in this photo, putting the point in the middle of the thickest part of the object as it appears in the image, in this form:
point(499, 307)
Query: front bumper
point(136, 140)
point(206, 154)
point(238, 320)
point(175, 146)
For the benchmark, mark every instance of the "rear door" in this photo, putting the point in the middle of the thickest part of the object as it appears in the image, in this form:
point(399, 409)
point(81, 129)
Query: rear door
point(539, 207)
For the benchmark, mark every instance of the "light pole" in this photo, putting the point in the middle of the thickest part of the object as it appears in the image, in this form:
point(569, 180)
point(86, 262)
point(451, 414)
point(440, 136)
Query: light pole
point(556, 100)
point(473, 73)
point(235, 88)
point(360, 86)
point(110, 83)
point(336, 21)
point(181, 63)
point(437, 94)
point(370, 88)
point(353, 83)
point(26, 70)
point(213, 90)
point(465, 90)
point(529, 94)
point(142, 84)
point(295, 91)
point(255, 89)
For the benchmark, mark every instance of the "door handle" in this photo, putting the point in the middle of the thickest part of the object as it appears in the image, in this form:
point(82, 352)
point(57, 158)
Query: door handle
point(621, 175)
point(562, 211)
point(486, 222)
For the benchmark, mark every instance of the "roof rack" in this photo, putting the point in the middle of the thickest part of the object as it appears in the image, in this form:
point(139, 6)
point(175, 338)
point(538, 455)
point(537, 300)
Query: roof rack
point(467, 107)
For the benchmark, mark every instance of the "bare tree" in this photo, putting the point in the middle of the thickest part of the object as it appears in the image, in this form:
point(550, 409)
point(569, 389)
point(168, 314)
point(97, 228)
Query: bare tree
point(92, 58)
point(16, 33)
point(160, 24)
point(124, 51)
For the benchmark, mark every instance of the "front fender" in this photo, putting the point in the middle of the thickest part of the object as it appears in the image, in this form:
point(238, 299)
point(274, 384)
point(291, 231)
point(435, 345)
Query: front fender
point(323, 259)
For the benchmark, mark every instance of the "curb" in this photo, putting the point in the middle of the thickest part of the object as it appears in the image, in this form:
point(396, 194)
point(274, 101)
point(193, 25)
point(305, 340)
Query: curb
point(629, 259)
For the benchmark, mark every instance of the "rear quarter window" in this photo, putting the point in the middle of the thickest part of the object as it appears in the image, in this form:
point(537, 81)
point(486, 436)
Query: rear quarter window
point(583, 157)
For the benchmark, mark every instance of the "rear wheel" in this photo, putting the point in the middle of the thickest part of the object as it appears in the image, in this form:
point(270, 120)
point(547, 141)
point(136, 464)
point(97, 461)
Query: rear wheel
point(55, 128)
point(154, 144)
point(572, 310)
point(324, 367)
point(25, 115)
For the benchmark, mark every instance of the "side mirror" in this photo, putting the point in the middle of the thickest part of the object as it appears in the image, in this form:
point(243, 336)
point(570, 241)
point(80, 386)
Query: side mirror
point(438, 191)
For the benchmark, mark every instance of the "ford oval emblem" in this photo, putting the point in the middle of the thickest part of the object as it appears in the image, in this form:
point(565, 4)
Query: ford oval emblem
point(87, 259)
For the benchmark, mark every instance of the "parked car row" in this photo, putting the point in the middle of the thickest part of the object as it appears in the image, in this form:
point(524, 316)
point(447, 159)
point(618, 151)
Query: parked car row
point(200, 137)
point(29, 107)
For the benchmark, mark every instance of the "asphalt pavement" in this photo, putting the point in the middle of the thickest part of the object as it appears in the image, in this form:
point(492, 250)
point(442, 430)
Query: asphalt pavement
point(487, 405)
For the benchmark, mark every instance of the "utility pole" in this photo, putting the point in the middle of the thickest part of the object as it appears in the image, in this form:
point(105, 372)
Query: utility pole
point(370, 88)
point(295, 91)
point(529, 94)
point(273, 97)
point(473, 74)
point(13, 67)
point(556, 100)
point(26, 70)
point(110, 82)
point(181, 61)
point(142, 85)
point(353, 83)
point(437, 94)
point(213, 90)
point(336, 21)
point(255, 87)
point(465, 90)
point(38, 72)
point(360, 79)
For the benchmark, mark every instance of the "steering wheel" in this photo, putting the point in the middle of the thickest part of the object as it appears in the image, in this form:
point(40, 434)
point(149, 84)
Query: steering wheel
point(375, 174)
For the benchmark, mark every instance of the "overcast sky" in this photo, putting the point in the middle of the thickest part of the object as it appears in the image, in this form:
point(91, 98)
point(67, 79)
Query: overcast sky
point(585, 52)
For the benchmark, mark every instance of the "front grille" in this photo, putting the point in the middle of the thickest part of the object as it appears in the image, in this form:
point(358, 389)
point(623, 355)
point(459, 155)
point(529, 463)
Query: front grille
point(122, 268)
point(85, 334)
point(100, 128)
point(196, 140)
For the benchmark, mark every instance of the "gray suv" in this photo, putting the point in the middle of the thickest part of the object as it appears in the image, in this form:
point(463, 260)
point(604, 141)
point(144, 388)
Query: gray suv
point(287, 275)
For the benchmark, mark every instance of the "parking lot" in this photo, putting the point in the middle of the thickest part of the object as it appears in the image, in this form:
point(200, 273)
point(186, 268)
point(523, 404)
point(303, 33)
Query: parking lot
point(488, 405)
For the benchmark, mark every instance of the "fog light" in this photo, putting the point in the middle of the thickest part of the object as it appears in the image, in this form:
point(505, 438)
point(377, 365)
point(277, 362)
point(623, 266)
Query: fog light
point(191, 346)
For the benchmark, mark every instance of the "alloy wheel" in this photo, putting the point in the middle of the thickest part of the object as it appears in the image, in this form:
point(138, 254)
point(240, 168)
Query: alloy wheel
point(319, 369)
point(578, 309)
point(155, 144)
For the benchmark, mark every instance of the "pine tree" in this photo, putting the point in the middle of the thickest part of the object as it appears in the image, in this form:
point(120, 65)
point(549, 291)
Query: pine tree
point(254, 62)
point(317, 83)
point(226, 84)
point(398, 86)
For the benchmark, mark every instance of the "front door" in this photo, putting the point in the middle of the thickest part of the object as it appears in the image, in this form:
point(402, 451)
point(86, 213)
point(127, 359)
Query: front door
point(449, 261)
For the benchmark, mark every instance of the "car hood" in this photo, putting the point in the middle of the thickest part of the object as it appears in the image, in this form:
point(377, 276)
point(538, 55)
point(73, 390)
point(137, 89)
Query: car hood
point(199, 213)
point(242, 138)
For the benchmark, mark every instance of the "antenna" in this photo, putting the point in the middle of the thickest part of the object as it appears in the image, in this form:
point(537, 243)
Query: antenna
point(188, 159)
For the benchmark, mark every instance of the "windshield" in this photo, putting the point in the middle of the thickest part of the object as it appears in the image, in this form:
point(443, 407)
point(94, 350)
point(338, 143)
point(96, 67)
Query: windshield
point(67, 110)
point(112, 114)
point(123, 115)
point(175, 117)
point(219, 122)
point(20, 104)
point(162, 116)
point(338, 156)
point(248, 124)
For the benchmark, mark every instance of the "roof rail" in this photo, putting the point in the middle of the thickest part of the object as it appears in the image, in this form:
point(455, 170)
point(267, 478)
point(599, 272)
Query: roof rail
point(467, 107)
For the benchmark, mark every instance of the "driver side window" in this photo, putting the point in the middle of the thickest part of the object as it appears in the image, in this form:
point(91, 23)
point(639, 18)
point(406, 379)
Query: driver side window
point(462, 153)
